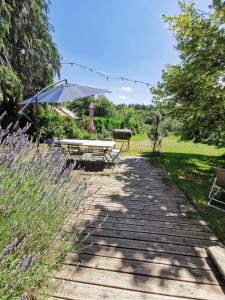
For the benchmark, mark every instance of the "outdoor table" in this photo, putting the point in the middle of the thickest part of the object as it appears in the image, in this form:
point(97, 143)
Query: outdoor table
point(68, 142)
point(103, 146)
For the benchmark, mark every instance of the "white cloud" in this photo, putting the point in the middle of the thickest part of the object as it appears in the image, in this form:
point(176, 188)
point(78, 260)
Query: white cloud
point(123, 97)
point(126, 89)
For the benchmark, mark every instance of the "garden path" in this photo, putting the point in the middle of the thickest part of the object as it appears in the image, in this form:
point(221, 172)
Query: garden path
point(151, 246)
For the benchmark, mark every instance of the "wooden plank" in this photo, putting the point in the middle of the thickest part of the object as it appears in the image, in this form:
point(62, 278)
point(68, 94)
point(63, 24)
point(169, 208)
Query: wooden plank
point(166, 215)
point(155, 230)
point(151, 217)
point(217, 254)
point(148, 246)
point(149, 212)
point(147, 223)
point(141, 268)
point(129, 206)
point(83, 291)
point(148, 256)
point(151, 237)
point(132, 201)
point(97, 196)
point(141, 283)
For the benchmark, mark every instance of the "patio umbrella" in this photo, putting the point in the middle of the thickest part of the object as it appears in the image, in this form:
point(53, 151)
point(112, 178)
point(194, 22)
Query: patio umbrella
point(60, 92)
point(65, 93)
point(90, 125)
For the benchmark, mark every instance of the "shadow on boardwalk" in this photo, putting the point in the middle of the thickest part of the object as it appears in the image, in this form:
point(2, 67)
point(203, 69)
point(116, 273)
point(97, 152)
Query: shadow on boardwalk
point(152, 241)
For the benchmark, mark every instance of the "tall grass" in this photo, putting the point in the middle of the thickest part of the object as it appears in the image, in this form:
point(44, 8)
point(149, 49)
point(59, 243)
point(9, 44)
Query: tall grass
point(37, 192)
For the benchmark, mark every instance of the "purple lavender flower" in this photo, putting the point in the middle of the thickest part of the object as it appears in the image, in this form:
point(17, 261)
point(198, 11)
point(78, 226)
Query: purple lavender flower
point(23, 296)
point(21, 262)
point(25, 262)
point(10, 246)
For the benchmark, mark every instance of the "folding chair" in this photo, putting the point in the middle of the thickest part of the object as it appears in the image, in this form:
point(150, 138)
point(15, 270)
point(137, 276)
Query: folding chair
point(115, 155)
point(52, 143)
point(218, 190)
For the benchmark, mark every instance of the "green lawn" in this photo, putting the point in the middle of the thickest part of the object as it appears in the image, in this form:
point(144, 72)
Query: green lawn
point(190, 166)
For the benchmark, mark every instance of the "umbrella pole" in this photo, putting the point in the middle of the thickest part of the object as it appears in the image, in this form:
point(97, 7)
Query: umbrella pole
point(37, 122)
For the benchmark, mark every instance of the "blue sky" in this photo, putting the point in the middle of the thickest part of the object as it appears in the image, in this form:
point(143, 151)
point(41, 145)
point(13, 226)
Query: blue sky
point(120, 37)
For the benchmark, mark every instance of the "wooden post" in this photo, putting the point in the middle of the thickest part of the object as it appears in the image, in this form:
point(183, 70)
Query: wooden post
point(155, 135)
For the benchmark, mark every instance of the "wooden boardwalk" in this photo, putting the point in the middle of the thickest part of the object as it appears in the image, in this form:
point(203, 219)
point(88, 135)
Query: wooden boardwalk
point(151, 247)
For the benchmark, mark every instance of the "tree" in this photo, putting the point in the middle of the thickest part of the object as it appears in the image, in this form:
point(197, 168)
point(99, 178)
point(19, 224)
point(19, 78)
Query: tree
point(28, 57)
point(194, 90)
point(103, 107)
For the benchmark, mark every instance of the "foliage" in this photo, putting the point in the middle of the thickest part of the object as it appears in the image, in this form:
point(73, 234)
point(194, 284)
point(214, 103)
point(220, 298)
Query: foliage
point(37, 192)
point(10, 90)
point(28, 56)
point(103, 107)
point(144, 112)
point(131, 120)
point(107, 116)
point(55, 125)
point(104, 126)
point(194, 91)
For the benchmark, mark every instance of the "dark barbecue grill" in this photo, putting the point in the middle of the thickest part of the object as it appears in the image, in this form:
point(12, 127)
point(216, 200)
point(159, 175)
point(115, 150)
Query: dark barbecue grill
point(122, 134)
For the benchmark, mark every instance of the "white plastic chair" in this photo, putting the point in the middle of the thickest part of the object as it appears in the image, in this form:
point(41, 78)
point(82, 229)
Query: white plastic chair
point(217, 188)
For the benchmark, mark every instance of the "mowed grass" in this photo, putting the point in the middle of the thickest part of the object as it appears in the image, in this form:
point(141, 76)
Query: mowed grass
point(190, 166)
point(139, 145)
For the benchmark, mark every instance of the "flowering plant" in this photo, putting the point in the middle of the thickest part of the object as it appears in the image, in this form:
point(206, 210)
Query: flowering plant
point(38, 190)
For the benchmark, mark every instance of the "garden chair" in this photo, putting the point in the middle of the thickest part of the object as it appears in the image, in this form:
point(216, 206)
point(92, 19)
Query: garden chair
point(218, 190)
point(52, 143)
point(74, 150)
point(115, 155)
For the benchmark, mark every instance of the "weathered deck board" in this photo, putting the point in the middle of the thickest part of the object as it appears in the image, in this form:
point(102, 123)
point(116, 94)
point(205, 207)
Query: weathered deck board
point(170, 217)
point(148, 256)
point(156, 230)
point(140, 283)
point(81, 291)
point(143, 268)
point(149, 246)
point(147, 223)
point(152, 237)
point(152, 246)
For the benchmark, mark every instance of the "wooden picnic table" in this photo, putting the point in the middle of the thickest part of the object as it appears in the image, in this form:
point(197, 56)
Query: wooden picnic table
point(95, 147)
point(87, 143)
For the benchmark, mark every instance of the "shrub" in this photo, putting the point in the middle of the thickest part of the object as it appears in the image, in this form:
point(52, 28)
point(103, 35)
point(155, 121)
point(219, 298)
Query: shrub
point(37, 193)
point(54, 125)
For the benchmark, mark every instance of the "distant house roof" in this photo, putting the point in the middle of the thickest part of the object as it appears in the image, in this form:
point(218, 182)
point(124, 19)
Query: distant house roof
point(64, 111)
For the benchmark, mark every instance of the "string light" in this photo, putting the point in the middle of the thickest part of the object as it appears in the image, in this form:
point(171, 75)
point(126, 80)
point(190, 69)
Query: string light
point(105, 75)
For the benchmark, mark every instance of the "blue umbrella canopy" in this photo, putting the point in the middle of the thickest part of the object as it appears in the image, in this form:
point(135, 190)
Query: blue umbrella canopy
point(65, 93)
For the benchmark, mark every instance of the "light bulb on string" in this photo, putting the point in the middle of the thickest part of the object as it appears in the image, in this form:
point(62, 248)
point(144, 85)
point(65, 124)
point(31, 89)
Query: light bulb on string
point(103, 74)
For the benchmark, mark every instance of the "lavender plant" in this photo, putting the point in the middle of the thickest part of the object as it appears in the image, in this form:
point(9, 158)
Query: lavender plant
point(38, 191)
